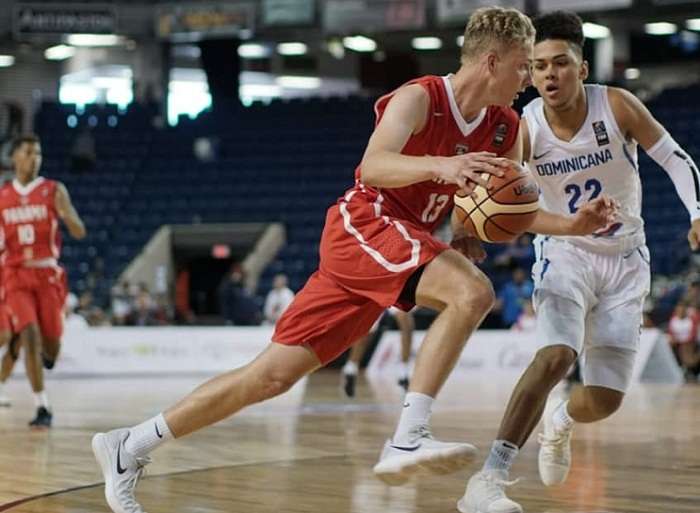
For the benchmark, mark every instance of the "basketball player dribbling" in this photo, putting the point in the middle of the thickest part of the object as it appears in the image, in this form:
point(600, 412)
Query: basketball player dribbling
point(35, 285)
point(581, 141)
point(376, 251)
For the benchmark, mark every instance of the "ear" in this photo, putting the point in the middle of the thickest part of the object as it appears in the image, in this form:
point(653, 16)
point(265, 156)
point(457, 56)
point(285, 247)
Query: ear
point(583, 71)
point(491, 62)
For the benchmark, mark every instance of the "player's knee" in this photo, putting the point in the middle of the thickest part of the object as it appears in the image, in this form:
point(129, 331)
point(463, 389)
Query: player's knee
point(553, 362)
point(604, 402)
point(476, 293)
point(274, 383)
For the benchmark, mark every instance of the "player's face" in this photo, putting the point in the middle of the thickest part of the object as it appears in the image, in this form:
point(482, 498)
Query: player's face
point(558, 72)
point(512, 74)
point(27, 160)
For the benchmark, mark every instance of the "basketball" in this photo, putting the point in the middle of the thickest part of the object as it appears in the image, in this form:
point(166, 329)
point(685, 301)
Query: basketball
point(504, 212)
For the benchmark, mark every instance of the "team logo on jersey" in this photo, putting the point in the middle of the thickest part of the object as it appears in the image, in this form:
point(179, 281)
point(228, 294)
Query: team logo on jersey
point(500, 136)
point(461, 149)
point(601, 133)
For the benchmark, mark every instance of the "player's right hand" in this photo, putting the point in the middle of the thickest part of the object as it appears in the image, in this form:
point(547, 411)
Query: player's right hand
point(595, 215)
point(467, 171)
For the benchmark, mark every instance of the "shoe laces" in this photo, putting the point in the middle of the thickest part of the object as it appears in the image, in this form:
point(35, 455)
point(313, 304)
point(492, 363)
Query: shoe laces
point(126, 491)
point(555, 444)
point(418, 432)
point(495, 486)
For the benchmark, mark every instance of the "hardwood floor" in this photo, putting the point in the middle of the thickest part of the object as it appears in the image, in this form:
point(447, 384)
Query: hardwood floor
point(311, 451)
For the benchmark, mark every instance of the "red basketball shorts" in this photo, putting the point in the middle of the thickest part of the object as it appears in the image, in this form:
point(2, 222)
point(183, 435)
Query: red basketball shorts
point(365, 260)
point(36, 295)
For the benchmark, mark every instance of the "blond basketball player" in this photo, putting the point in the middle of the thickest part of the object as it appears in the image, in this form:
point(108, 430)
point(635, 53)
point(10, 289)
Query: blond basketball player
point(580, 141)
point(434, 136)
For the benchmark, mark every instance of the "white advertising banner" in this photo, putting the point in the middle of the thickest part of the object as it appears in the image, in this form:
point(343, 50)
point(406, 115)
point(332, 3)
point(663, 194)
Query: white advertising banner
point(502, 356)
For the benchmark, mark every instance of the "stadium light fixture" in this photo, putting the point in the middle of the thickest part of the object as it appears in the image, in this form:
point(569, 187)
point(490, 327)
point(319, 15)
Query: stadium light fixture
point(460, 40)
point(59, 52)
point(693, 24)
point(6, 61)
point(359, 44)
point(426, 43)
point(293, 82)
point(253, 51)
point(632, 73)
point(595, 31)
point(292, 48)
point(660, 28)
point(94, 40)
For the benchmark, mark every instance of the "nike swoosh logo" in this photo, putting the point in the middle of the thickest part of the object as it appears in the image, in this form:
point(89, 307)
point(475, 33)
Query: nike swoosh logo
point(407, 449)
point(158, 432)
point(120, 470)
point(538, 157)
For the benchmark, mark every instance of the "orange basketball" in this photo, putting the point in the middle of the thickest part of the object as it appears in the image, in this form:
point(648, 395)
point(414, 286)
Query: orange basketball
point(505, 211)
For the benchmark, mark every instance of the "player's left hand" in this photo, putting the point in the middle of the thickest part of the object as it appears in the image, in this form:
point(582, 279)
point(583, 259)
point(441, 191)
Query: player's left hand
point(694, 235)
point(594, 215)
point(470, 247)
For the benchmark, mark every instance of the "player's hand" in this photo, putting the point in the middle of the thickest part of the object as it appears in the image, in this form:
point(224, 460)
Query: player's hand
point(470, 170)
point(470, 247)
point(594, 216)
point(694, 235)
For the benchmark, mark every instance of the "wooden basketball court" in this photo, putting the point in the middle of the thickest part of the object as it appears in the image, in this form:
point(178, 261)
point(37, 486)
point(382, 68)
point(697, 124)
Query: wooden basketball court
point(312, 451)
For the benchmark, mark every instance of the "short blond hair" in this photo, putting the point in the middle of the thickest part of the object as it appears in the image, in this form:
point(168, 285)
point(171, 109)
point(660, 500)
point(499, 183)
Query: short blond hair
point(495, 28)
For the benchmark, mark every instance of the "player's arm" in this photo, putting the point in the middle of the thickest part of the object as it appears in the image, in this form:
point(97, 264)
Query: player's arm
point(383, 165)
point(591, 217)
point(636, 122)
point(68, 214)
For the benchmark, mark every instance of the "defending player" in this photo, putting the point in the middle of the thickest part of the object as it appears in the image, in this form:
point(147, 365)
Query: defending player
point(35, 285)
point(433, 136)
point(580, 142)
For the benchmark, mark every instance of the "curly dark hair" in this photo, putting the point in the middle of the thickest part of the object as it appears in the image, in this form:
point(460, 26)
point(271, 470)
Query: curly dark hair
point(560, 25)
point(21, 139)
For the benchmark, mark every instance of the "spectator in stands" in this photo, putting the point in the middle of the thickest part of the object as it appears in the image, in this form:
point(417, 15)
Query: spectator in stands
point(518, 253)
point(94, 315)
point(74, 321)
point(237, 306)
point(683, 335)
point(83, 154)
point(121, 303)
point(278, 299)
point(514, 294)
point(144, 310)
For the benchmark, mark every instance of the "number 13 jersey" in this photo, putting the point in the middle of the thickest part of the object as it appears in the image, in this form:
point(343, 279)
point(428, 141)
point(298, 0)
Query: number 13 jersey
point(597, 160)
point(29, 222)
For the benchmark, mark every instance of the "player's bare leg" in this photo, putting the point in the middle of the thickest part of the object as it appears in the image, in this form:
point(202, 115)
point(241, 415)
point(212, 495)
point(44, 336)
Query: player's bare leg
point(50, 350)
point(352, 366)
point(5, 338)
point(30, 339)
point(406, 324)
point(462, 294)
point(122, 453)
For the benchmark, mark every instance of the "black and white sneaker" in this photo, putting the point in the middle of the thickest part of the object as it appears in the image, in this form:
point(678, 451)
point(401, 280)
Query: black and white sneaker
point(348, 385)
point(42, 420)
point(120, 469)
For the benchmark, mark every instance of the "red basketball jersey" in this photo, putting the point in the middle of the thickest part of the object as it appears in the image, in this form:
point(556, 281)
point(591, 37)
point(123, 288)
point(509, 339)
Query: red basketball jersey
point(29, 221)
point(445, 133)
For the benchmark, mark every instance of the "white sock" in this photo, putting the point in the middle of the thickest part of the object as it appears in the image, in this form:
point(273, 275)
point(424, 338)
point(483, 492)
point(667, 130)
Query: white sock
point(561, 419)
point(502, 455)
point(41, 399)
point(147, 436)
point(350, 367)
point(403, 370)
point(416, 412)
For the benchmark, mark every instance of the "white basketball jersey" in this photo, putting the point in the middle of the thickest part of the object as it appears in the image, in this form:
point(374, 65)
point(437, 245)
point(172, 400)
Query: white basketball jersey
point(597, 160)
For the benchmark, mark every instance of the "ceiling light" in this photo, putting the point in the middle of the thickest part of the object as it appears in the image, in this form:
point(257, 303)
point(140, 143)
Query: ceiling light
point(359, 44)
point(59, 52)
point(426, 43)
point(6, 61)
point(253, 51)
point(693, 23)
point(293, 82)
point(632, 73)
point(595, 31)
point(94, 39)
point(292, 48)
point(460, 40)
point(661, 28)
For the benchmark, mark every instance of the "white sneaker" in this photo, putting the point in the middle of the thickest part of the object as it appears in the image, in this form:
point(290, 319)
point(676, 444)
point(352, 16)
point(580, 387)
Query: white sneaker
point(422, 452)
point(120, 469)
point(554, 459)
point(486, 494)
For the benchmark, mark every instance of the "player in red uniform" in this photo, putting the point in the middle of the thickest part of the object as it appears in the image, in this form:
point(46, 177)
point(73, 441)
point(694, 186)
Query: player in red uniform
point(433, 136)
point(30, 209)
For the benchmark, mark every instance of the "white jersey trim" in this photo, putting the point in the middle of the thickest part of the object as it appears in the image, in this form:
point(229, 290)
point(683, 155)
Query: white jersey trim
point(27, 189)
point(466, 127)
point(376, 255)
